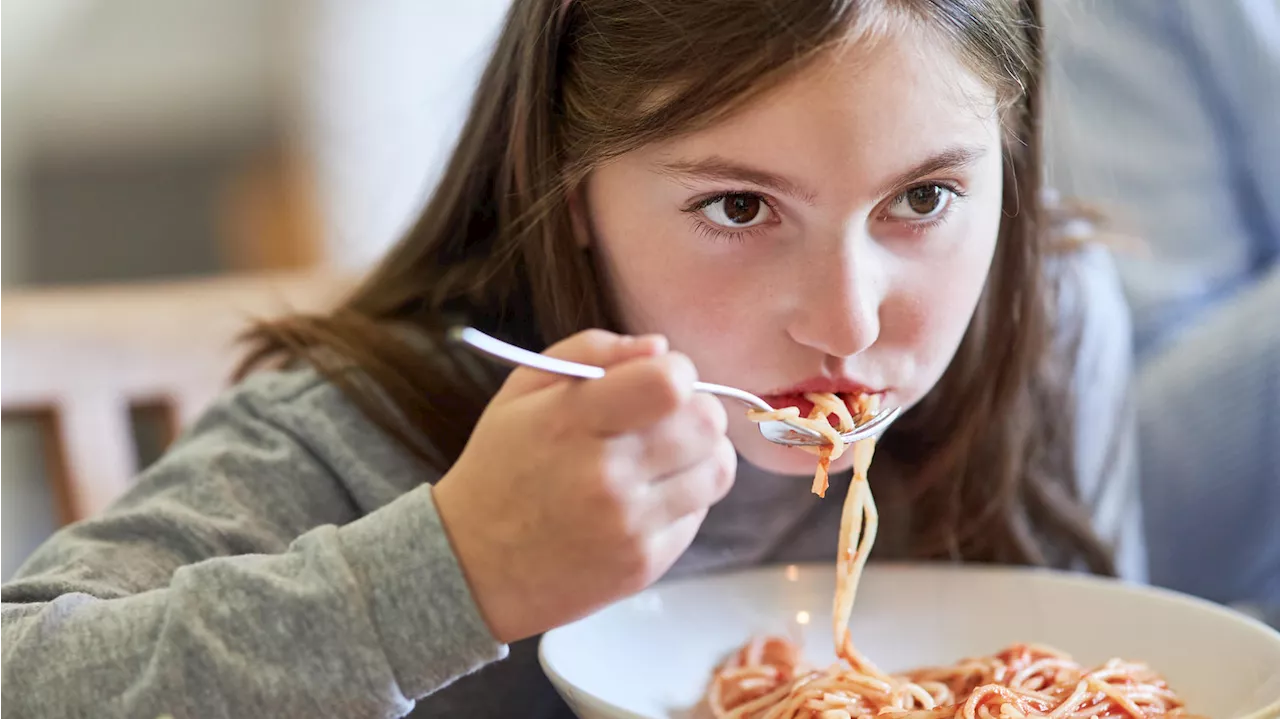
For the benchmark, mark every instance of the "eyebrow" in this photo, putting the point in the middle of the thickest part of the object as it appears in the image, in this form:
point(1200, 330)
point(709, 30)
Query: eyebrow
point(952, 159)
point(718, 168)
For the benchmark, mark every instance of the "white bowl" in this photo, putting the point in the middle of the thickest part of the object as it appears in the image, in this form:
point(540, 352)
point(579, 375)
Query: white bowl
point(652, 655)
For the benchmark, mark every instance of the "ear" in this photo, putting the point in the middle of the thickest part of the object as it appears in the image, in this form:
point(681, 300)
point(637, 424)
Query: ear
point(579, 216)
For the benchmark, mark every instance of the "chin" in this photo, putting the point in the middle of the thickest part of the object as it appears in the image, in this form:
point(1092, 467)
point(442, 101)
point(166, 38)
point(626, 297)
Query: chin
point(780, 459)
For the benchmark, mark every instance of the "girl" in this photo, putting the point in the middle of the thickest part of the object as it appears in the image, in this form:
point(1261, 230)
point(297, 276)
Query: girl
point(787, 196)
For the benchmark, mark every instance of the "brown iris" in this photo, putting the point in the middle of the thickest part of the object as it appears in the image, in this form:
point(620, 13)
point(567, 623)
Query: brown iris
point(741, 209)
point(924, 200)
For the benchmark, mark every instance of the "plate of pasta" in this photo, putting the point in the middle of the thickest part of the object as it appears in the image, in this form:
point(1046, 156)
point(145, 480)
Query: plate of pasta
point(662, 652)
point(925, 641)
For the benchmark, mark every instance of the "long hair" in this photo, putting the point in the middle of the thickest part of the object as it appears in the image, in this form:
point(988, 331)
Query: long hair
point(572, 83)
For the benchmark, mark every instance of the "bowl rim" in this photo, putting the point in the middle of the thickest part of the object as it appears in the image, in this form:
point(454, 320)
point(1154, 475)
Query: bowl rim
point(596, 703)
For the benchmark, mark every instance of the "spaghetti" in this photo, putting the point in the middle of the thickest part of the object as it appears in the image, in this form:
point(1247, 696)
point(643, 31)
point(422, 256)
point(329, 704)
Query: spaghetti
point(825, 405)
point(766, 679)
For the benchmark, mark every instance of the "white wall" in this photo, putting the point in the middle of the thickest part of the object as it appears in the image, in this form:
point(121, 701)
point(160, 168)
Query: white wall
point(145, 75)
point(385, 85)
point(28, 31)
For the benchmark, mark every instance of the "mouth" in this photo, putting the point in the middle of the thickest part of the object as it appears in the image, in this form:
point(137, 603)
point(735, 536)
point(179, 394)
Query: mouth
point(848, 391)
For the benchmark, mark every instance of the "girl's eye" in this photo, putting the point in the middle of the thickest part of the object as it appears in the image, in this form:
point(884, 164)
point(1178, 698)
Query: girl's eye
point(737, 210)
point(922, 202)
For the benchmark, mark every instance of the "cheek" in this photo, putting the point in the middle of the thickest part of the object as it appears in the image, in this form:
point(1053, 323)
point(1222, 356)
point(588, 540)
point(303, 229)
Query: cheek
point(934, 302)
point(662, 277)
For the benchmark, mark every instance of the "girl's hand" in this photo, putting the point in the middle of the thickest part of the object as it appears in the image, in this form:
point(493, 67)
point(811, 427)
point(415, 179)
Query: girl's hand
point(572, 493)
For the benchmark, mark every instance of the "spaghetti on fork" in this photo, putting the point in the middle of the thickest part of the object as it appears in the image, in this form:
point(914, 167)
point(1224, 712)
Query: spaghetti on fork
point(825, 406)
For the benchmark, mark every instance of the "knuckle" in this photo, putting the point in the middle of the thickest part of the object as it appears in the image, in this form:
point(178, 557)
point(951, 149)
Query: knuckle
point(610, 504)
point(728, 453)
point(726, 468)
point(607, 478)
point(617, 461)
point(614, 487)
point(582, 345)
point(595, 337)
point(594, 334)
point(663, 389)
point(682, 366)
point(722, 471)
point(710, 415)
point(670, 383)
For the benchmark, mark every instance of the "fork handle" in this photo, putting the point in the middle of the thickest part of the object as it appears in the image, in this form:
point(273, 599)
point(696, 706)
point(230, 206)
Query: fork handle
point(733, 393)
point(512, 354)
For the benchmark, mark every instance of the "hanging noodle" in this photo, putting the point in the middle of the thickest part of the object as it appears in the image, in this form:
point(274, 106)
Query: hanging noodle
point(766, 679)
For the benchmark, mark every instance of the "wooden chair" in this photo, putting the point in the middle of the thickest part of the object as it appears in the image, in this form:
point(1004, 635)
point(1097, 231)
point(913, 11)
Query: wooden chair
point(77, 360)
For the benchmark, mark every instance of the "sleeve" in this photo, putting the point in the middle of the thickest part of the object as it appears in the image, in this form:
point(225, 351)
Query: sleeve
point(237, 578)
point(1107, 472)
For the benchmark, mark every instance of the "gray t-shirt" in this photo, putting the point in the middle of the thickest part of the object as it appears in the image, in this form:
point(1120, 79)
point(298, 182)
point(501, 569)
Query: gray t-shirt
point(285, 559)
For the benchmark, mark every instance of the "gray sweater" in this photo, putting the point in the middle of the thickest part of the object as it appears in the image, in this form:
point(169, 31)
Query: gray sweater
point(285, 559)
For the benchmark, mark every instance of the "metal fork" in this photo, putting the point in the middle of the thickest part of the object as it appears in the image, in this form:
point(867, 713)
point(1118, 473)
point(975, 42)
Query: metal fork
point(780, 431)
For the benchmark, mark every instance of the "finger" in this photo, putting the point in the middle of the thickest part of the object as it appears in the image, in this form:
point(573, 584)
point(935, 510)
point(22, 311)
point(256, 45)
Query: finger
point(669, 543)
point(681, 440)
point(596, 347)
point(634, 395)
point(697, 488)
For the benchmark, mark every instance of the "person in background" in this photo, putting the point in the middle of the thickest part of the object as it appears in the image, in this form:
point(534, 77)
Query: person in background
point(1167, 112)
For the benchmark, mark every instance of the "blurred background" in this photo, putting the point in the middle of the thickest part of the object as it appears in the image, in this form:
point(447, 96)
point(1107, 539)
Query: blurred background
point(173, 166)
point(148, 140)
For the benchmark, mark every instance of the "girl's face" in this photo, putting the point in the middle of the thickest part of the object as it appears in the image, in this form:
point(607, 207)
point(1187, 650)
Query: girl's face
point(834, 235)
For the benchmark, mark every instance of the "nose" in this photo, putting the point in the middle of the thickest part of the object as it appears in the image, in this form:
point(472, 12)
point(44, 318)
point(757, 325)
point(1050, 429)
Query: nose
point(840, 311)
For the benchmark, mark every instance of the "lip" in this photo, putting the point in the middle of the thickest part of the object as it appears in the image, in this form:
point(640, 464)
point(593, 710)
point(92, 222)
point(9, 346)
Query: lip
point(846, 389)
point(834, 385)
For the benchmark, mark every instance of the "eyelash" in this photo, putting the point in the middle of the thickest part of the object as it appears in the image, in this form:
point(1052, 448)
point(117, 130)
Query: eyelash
point(713, 231)
point(920, 227)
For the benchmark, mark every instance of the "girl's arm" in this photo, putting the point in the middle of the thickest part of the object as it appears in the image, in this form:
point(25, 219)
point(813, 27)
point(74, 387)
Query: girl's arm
point(284, 559)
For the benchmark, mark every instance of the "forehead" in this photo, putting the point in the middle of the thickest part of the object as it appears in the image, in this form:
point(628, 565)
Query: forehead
point(880, 101)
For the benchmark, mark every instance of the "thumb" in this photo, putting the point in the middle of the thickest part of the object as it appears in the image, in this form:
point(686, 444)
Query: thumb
point(596, 347)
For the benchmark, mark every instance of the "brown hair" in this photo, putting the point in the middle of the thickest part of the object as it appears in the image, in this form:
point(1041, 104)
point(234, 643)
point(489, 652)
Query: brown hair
point(572, 82)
